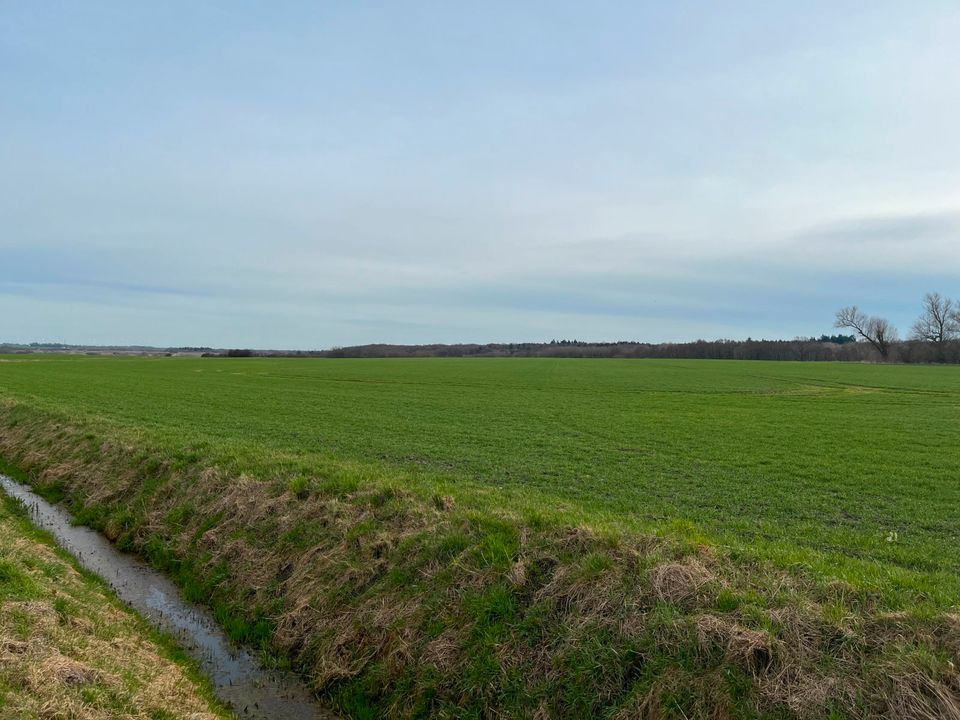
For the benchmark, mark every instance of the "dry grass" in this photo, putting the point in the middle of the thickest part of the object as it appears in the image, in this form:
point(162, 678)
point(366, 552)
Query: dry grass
point(681, 583)
point(69, 651)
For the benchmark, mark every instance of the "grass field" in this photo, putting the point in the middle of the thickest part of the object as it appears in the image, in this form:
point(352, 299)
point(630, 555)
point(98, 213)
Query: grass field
point(827, 458)
point(833, 471)
point(69, 649)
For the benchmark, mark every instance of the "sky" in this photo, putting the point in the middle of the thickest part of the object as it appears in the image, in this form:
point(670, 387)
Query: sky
point(308, 175)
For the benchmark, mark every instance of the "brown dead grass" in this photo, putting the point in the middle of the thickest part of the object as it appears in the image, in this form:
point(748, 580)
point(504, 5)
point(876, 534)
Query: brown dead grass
point(917, 695)
point(751, 650)
point(71, 652)
point(681, 583)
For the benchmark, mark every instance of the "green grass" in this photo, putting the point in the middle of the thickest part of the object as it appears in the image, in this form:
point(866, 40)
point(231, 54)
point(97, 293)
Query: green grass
point(848, 469)
point(563, 538)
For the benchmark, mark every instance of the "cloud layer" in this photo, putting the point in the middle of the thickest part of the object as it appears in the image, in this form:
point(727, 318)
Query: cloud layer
point(311, 177)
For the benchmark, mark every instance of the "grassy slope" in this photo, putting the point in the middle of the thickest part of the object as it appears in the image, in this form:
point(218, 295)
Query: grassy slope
point(810, 466)
point(70, 649)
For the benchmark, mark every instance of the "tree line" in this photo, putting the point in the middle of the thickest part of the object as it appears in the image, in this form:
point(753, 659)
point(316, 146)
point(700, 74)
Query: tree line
point(934, 337)
point(832, 347)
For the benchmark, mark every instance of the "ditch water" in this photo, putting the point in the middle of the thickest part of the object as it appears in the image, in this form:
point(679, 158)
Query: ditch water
point(238, 678)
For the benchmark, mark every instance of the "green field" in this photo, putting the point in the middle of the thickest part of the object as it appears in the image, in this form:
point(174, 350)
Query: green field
point(698, 537)
point(828, 458)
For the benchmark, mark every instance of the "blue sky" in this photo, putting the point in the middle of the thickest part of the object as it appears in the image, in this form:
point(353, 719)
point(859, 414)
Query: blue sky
point(304, 175)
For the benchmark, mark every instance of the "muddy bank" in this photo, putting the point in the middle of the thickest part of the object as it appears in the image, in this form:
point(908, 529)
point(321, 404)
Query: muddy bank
point(237, 676)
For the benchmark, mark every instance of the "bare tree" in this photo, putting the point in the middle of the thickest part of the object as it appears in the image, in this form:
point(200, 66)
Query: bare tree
point(939, 321)
point(875, 330)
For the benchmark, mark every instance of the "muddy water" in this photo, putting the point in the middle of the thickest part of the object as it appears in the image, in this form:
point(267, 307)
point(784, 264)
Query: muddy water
point(238, 678)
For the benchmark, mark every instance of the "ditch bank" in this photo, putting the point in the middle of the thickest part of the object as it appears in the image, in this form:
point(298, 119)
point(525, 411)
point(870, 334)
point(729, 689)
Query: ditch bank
point(395, 605)
point(236, 675)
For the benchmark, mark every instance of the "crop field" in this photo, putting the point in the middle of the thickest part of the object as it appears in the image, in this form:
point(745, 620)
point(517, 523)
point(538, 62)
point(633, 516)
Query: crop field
point(856, 463)
point(844, 475)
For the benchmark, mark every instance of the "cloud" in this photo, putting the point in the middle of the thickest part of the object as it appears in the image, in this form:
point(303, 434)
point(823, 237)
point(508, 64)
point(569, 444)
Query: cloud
point(342, 175)
point(918, 227)
point(919, 243)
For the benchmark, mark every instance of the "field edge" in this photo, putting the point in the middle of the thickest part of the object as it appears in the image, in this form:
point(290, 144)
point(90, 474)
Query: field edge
point(390, 604)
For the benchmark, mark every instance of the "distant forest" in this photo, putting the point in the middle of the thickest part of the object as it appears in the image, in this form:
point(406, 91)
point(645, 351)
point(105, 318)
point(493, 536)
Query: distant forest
point(934, 338)
point(825, 347)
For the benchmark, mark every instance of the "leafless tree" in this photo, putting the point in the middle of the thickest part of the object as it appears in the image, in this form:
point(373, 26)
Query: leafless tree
point(875, 330)
point(940, 320)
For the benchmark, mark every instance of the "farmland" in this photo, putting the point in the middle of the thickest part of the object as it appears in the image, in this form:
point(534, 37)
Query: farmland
point(842, 477)
point(791, 457)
